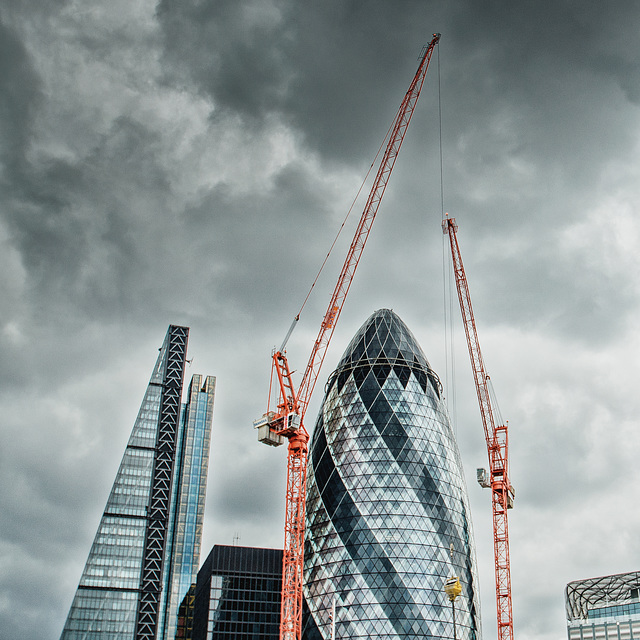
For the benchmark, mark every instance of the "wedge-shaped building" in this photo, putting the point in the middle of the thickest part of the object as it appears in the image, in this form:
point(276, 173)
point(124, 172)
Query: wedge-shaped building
point(387, 499)
point(146, 551)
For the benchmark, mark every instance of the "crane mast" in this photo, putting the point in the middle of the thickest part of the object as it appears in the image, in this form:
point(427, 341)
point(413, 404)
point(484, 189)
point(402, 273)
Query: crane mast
point(287, 421)
point(497, 440)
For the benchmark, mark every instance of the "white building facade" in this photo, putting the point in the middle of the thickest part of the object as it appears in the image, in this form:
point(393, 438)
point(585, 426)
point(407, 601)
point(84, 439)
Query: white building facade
point(605, 608)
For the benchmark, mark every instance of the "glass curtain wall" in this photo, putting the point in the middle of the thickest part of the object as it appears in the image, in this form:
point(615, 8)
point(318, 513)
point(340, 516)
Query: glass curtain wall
point(106, 600)
point(189, 493)
point(386, 498)
point(108, 596)
point(238, 594)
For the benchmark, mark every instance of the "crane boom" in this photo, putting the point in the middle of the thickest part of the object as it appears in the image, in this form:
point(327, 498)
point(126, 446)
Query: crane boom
point(288, 419)
point(396, 137)
point(497, 440)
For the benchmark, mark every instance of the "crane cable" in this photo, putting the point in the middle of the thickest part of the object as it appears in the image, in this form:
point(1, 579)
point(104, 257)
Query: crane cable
point(335, 240)
point(449, 297)
point(448, 285)
point(440, 132)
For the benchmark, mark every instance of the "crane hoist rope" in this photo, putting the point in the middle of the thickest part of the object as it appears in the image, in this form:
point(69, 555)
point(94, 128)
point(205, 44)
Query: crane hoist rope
point(296, 319)
point(287, 420)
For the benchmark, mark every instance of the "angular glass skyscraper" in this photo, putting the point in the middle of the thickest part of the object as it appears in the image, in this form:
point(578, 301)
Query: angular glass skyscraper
point(188, 498)
point(146, 551)
point(386, 499)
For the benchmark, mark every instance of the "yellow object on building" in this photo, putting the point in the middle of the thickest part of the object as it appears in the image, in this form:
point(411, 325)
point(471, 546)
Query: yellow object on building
point(453, 588)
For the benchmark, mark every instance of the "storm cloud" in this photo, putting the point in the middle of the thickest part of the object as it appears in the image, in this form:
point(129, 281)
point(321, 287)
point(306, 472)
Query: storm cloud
point(191, 162)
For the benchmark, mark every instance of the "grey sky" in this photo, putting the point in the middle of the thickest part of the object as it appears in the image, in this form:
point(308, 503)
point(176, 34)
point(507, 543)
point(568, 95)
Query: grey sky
point(190, 162)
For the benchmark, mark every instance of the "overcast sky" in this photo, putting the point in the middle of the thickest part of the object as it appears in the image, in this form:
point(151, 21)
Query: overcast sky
point(190, 162)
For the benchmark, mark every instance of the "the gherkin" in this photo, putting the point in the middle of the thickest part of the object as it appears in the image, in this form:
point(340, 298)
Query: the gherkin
point(387, 499)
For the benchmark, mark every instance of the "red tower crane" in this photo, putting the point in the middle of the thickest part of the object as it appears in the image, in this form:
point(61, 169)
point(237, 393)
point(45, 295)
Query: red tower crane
point(287, 420)
point(497, 438)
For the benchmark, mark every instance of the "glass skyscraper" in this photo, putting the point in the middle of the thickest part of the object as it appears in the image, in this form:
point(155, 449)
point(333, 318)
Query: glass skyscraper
point(388, 517)
point(605, 608)
point(146, 551)
point(184, 629)
point(188, 496)
point(237, 595)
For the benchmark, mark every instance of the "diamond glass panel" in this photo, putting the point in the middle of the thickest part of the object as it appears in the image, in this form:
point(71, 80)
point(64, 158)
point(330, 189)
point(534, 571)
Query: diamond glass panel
point(386, 498)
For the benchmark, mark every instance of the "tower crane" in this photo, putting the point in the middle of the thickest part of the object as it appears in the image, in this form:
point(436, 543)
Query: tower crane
point(497, 439)
point(287, 420)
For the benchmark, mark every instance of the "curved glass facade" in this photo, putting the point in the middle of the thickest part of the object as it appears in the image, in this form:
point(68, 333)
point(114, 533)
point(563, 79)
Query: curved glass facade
point(386, 498)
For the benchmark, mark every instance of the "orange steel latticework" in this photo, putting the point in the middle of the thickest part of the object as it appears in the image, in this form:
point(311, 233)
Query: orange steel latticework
point(288, 419)
point(502, 492)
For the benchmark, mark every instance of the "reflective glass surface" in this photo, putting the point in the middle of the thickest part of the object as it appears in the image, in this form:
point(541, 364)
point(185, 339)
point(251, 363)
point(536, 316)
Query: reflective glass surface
point(104, 607)
point(184, 629)
point(189, 493)
point(604, 607)
point(238, 594)
point(116, 619)
point(614, 611)
point(106, 601)
point(386, 498)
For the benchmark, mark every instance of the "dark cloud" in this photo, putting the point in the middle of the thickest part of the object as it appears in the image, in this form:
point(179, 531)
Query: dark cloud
point(191, 163)
point(20, 94)
point(320, 67)
point(246, 70)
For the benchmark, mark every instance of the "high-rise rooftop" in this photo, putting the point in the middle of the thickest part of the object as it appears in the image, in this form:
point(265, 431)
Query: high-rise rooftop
point(604, 607)
point(387, 498)
point(237, 595)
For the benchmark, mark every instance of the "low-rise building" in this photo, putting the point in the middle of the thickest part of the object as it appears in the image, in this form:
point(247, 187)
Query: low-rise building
point(605, 608)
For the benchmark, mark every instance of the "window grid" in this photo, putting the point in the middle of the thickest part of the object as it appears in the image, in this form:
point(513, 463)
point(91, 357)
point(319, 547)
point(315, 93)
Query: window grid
point(386, 497)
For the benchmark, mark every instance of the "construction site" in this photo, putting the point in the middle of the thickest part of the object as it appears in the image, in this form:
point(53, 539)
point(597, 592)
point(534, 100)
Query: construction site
point(286, 423)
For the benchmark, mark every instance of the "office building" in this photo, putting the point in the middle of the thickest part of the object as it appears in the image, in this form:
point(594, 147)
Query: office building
point(185, 532)
point(605, 608)
point(184, 630)
point(237, 594)
point(386, 499)
point(147, 547)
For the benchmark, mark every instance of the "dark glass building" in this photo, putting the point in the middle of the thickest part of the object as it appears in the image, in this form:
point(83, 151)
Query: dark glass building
point(188, 499)
point(184, 629)
point(147, 547)
point(237, 595)
point(386, 499)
